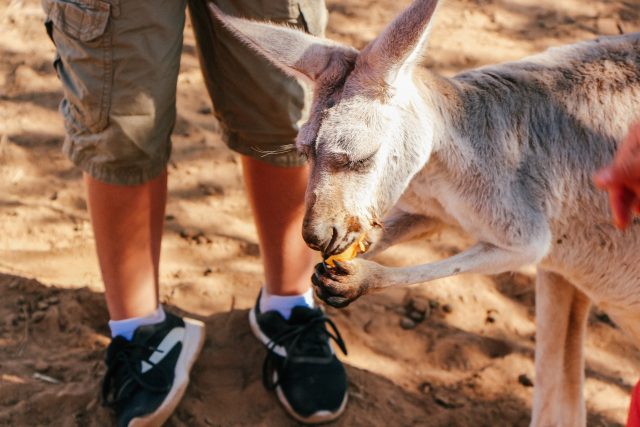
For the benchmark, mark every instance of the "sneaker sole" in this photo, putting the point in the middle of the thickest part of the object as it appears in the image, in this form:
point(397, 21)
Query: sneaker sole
point(193, 342)
point(319, 417)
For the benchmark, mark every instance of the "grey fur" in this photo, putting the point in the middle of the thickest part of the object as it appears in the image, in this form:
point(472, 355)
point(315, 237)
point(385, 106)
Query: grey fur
point(505, 152)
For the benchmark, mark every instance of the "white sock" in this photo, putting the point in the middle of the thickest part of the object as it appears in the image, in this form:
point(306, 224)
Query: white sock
point(284, 304)
point(126, 327)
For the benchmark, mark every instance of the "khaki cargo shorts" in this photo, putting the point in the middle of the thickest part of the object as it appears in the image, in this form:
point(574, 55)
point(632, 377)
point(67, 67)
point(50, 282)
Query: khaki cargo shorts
point(118, 61)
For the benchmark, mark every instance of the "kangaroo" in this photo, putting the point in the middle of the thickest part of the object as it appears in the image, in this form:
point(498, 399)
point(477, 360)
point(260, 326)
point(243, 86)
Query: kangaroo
point(505, 152)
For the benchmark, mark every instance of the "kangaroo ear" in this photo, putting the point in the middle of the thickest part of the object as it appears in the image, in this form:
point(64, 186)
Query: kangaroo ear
point(295, 52)
point(400, 46)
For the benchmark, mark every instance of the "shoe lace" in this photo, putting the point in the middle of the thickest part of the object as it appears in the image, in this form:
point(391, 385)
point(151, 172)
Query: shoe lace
point(309, 338)
point(124, 367)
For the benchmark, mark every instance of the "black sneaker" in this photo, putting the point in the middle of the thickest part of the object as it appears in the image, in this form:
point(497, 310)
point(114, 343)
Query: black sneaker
point(301, 366)
point(147, 376)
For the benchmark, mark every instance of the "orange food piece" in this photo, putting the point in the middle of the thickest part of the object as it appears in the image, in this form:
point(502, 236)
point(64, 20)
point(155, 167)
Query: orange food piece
point(358, 247)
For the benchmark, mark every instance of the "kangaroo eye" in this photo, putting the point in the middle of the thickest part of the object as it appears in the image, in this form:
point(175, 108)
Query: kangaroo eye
point(343, 162)
point(360, 165)
point(331, 103)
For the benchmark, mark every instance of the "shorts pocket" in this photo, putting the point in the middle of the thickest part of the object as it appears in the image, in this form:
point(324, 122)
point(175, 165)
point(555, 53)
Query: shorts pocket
point(85, 21)
point(79, 29)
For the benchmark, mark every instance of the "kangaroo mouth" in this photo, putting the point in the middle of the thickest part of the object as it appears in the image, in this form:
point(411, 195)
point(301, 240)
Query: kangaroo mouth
point(345, 247)
point(360, 246)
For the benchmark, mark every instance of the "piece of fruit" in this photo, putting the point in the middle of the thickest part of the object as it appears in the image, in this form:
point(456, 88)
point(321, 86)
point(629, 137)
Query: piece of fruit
point(360, 246)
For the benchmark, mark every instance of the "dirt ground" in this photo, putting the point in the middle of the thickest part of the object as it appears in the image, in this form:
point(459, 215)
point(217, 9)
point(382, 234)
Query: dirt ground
point(469, 362)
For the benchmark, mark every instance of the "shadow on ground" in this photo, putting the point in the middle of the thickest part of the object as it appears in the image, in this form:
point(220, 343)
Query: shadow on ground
point(61, 334)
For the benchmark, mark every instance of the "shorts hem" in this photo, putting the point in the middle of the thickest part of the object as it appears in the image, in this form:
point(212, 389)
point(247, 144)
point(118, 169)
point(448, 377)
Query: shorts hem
point(116, 175)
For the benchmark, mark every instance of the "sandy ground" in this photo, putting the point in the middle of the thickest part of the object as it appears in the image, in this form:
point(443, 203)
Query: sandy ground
point(469, 362)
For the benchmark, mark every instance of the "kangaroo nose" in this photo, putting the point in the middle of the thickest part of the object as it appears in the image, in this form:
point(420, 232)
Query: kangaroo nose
point(312, 240)
point(318, 237)
point(309, 235)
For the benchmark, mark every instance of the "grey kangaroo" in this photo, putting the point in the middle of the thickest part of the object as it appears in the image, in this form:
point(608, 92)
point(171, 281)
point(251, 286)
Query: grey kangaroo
point(505, 152)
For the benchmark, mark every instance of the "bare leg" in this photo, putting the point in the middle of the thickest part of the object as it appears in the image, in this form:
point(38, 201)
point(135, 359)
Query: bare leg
point(561, 317)
point(127, 225)
point(276, 196)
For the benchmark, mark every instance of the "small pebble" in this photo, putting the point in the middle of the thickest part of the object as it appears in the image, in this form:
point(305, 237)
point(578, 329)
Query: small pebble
point(42, 305)
point(38, 316)
point(53, 300)
point(425, 387)
point(406, 323)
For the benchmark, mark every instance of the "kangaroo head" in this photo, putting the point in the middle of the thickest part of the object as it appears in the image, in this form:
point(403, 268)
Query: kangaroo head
point(366, 135)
